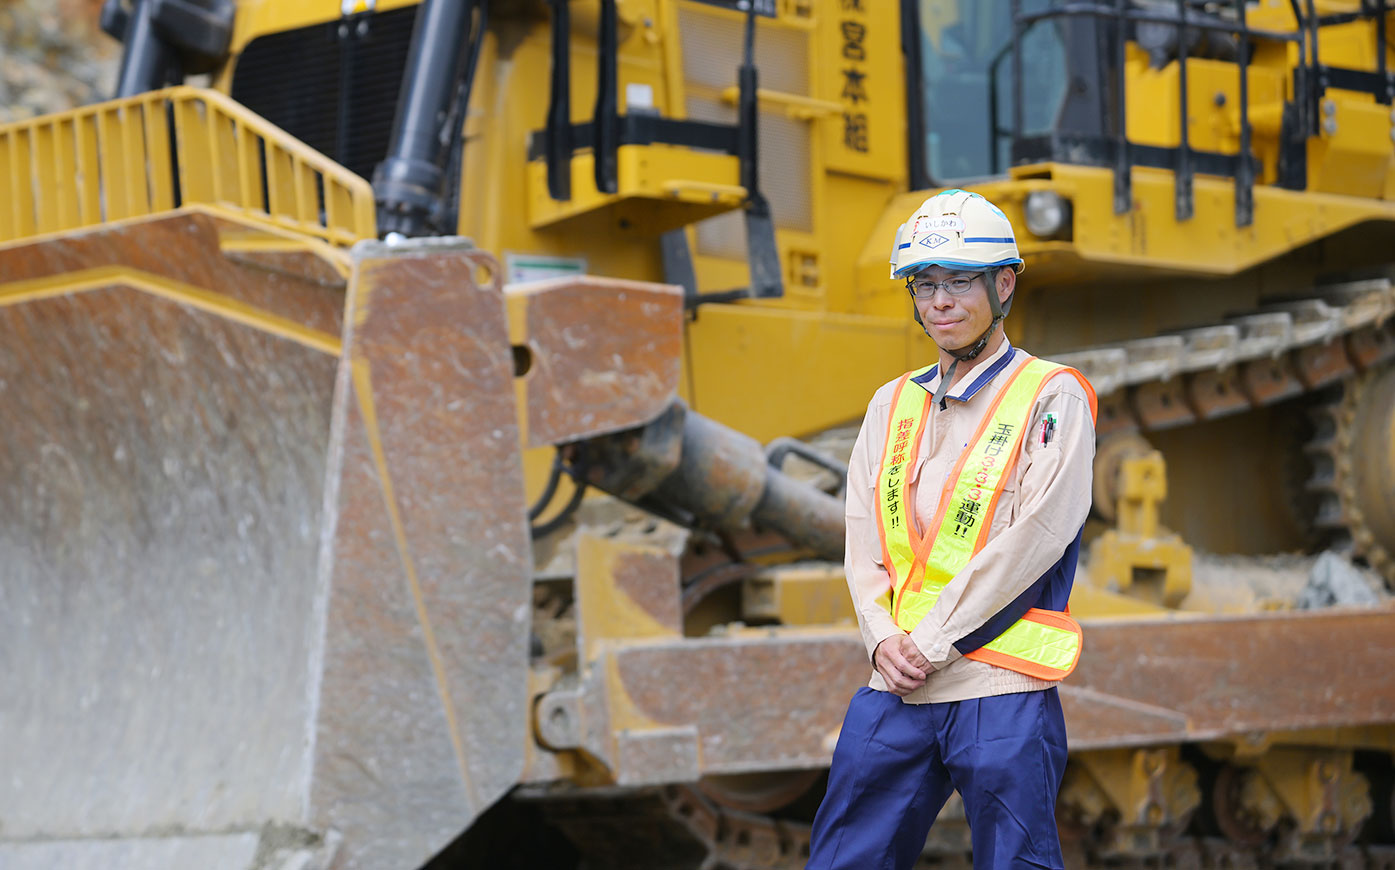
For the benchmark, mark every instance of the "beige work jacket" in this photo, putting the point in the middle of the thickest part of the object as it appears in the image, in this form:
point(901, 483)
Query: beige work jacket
point(1041, 510)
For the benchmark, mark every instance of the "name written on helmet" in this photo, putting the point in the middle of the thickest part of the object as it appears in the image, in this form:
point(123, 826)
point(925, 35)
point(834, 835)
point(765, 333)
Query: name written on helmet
point(925, 224)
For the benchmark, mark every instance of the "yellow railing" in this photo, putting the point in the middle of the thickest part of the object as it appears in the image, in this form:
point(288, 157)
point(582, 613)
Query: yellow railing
point(164, 149)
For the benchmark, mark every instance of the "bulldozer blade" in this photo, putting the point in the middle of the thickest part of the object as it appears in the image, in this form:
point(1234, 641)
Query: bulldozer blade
point(422, 720)
point(260, 603)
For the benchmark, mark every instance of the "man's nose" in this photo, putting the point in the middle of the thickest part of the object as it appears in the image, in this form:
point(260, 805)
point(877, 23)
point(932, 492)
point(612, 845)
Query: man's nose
point(941, 298)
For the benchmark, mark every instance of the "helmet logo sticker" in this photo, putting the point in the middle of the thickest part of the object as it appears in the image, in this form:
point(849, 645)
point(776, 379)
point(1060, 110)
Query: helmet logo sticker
point(934, 240)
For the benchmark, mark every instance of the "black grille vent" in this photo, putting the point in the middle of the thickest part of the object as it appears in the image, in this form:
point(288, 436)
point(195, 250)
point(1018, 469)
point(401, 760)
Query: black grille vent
point(333, 86)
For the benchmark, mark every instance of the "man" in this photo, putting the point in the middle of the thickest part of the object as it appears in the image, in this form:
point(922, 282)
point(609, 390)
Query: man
point(967, 492)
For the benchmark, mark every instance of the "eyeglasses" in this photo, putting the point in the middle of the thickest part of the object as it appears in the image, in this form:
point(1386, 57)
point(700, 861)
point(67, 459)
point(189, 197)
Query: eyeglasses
point(957, 285)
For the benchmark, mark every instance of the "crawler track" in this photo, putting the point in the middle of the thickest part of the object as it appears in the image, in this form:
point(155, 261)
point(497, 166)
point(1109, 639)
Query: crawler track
point(676, 828)
point(1277, 353)
point(1337, 345)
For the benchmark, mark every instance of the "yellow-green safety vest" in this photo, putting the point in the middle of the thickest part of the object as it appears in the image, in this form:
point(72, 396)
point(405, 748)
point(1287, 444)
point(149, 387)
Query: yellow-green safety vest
point(1043, 643)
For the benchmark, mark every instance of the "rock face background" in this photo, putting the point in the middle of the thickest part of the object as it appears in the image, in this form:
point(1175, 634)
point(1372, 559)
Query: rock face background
point(53, 56)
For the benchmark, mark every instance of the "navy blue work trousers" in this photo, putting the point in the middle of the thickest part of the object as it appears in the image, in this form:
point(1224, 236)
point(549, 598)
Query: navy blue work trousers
point(896, 764)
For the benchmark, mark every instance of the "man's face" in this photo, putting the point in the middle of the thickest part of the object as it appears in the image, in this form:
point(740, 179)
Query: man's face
point(957, 321)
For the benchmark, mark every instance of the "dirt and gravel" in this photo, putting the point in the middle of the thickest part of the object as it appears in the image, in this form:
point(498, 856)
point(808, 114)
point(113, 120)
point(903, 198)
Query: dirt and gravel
point(53, 56)
point(1286, 581)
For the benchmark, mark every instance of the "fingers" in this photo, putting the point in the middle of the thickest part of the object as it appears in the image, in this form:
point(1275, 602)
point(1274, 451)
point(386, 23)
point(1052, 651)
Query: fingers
point(913, 655)
point(899, 683)
point(902, 664)
point(891, 661)
point(913, 661)
point(901, 676)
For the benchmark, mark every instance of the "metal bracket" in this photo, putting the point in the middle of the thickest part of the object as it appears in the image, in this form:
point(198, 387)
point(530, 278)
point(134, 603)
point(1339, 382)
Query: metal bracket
point(557, 136)
point(1123, 169)
point(1244, 172)
point(1185, 202)
point(605, 142)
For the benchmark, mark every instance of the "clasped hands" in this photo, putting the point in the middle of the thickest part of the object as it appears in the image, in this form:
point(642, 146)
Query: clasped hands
point(901, 663)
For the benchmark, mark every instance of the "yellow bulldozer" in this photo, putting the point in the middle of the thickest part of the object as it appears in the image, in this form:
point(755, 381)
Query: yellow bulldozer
point(423, 422)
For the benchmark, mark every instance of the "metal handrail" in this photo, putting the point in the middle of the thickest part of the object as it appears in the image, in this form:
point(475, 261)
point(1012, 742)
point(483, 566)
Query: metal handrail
point(1121, 12)
point(1305, 36)
point(157, 151)
point(1080, 8)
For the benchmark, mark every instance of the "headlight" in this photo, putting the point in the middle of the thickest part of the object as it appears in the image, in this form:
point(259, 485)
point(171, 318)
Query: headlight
point(1048, 213)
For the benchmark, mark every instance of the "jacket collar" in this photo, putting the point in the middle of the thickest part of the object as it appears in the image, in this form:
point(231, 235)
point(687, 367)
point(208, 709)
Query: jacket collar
point(965, 389)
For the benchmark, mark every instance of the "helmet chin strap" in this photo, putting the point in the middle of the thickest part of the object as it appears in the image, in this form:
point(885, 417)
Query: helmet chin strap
point(962, 354)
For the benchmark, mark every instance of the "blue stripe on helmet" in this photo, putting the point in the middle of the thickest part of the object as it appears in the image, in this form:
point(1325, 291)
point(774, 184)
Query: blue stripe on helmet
point(903, 247)
point(952, 264)
point(1006, 240)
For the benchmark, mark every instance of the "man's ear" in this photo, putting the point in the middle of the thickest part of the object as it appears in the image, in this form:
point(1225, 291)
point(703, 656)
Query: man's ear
point(1007, 282)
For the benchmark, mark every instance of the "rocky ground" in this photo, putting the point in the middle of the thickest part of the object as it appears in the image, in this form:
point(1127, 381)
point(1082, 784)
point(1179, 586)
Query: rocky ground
point(53, 56)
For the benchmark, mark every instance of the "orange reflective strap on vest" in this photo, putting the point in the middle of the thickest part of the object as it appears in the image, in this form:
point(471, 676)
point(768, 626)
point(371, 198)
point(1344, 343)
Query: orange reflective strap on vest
point(1043, 643)
point(909, 411)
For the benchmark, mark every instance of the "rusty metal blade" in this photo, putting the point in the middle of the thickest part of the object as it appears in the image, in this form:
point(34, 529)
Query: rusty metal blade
point(422, 717)
point(1231, 675)
point(161, 468)
point(1138, 683)
point(254, 593)
point(603, 354)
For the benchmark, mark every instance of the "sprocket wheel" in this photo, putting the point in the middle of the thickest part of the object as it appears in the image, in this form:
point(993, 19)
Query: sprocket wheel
point(1354, 458)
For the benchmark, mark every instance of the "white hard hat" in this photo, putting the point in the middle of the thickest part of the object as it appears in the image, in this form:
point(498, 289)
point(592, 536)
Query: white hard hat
point(956, 229)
